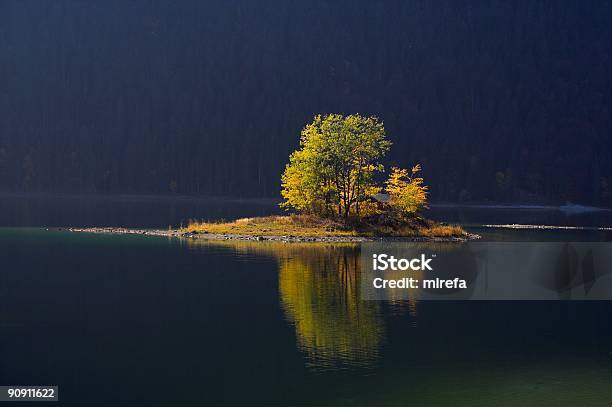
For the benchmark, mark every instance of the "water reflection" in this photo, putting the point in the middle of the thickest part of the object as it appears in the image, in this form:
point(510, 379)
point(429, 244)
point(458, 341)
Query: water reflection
point(319, 290)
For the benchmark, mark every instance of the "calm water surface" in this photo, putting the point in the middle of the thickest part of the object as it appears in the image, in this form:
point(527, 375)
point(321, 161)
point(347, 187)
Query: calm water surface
point(132, 320)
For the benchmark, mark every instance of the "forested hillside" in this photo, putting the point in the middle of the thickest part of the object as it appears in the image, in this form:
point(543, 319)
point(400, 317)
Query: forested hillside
point(498, 100)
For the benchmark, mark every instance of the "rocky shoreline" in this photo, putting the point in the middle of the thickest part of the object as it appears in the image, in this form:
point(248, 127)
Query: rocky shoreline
point(288, 239)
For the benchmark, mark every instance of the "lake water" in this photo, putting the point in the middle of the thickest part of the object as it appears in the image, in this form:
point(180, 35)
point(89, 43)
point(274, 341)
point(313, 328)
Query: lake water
point(143, 321)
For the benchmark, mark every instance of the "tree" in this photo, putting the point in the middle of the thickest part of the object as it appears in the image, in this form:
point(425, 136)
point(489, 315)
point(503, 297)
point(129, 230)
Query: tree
point(333, 171)
point(407, 193)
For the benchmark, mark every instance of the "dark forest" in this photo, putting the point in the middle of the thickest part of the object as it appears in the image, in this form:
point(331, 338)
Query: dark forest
point(499, 101)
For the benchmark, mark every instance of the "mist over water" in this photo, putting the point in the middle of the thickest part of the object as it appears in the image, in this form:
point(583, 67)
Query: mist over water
point(147, 211)
point(139, 211)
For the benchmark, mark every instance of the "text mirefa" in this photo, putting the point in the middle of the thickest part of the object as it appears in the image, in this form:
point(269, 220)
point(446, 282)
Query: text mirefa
point(385, 262)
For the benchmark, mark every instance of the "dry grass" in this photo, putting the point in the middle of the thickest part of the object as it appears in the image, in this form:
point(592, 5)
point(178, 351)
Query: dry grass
point(296, 225)
point(441, 231)
point(310, 226)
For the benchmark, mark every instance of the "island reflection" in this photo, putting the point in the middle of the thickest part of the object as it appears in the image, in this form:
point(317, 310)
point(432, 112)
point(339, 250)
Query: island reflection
point(319, 290)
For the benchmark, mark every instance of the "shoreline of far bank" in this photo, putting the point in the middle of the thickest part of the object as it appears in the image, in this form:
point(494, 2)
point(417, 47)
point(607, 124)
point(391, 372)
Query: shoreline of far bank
point(466, 236)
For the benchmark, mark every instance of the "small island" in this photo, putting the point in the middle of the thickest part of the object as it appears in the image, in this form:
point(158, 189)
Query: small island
point(330, 189)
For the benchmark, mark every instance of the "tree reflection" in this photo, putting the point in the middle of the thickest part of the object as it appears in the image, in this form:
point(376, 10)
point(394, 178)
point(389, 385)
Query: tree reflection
point(319, 289)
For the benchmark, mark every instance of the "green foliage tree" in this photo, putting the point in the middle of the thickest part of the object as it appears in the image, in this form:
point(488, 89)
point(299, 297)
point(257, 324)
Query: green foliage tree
point(332, 172)
point(407, 194)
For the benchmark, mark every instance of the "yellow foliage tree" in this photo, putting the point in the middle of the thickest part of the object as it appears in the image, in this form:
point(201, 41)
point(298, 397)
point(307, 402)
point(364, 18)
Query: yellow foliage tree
point(406, 190)
point(332, 173)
